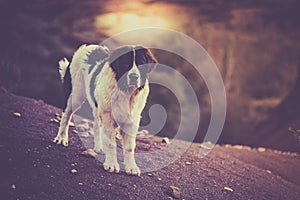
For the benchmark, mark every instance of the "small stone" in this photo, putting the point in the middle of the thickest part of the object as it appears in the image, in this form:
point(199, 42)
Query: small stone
point(58, 118)
point(188, 163)
point(109, 184)
point(90, 132)
point(238, 146)
point(166, 140)
point(228, 189)
point(84, 134)
point(71, 124)
point(80, 183)
point(261, 149)
point(159, 179)
point(269, 172)
point(89, 153)
point(75, 131)
point(57, 115)
point(17, 114)
point(13, 186)
point(73, 171)
point(54, 120)
point(149, 174)
point(174, 191)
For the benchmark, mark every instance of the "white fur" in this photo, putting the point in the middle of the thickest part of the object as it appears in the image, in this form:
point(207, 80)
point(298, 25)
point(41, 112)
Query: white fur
point(63, 66)
point(114, 106)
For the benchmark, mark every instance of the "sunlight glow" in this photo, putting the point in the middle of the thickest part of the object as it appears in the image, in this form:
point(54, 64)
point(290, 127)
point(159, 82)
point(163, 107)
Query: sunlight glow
point(128, 15)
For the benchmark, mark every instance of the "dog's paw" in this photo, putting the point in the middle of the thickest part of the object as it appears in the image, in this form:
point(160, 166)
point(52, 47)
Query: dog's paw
point(132, 169)
point(111, 166)
point(61, 140)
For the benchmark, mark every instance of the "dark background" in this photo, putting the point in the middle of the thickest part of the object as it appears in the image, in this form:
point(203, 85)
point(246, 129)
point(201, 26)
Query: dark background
point(255, 44)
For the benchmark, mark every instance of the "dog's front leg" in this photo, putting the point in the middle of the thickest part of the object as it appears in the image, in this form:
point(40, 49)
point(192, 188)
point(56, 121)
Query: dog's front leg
point(109, 143)
point(98, 132)
point(129, 132)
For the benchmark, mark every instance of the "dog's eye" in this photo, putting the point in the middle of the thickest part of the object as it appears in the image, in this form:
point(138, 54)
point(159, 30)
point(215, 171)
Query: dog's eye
point(145, 68)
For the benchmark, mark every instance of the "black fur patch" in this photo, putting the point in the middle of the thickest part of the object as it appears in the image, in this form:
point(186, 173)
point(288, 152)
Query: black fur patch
point(96, 58)
point(121, 61)
point(145, 61)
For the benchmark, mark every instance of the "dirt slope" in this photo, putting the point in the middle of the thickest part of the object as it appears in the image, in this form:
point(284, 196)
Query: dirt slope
point(32, 167)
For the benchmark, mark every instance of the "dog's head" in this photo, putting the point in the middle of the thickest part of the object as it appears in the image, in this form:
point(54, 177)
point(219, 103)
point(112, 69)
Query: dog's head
point(132, 66)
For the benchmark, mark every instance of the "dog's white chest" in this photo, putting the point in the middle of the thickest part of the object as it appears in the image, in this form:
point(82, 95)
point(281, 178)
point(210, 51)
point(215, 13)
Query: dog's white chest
point(121, 108)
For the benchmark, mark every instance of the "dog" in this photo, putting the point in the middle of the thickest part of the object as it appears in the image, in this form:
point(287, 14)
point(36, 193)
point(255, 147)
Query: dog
point(116, 86)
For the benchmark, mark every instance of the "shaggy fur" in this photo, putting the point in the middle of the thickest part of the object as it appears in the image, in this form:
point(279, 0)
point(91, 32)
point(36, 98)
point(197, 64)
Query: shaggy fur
point(116, 87)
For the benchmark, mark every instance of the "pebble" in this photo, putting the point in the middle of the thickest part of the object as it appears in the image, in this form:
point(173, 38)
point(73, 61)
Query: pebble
point(54, 120)
point(13, 186)
point(228, 189)
point(73, 171)
point(75, 131)
point(89, 153)
point(17, 114)
point(188, 163)
point(90, 132)
point(159, 178)
point(80, 183)
point(166, 140)
point(85, 135)
point(58, 118)
point(238, 147)
point(261, 149)
point(174, 191)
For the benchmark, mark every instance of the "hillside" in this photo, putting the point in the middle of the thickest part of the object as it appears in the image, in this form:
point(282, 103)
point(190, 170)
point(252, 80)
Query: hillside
point(32, 167)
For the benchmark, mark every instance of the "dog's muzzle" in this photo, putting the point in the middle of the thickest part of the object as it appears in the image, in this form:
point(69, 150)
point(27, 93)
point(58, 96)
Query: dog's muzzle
point(133, 79)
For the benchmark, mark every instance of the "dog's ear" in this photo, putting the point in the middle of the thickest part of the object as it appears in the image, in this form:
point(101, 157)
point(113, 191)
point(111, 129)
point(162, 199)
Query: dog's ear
point(145, 56)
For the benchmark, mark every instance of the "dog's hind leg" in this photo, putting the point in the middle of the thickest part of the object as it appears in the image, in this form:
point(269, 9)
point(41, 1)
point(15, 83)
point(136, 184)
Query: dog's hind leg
point(74, 102)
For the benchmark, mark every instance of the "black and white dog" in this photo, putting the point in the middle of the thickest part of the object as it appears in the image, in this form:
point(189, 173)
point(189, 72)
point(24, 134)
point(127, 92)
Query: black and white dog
point(116, 87)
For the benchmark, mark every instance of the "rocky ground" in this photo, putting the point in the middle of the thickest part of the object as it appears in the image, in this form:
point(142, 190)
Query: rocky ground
point(32, 167)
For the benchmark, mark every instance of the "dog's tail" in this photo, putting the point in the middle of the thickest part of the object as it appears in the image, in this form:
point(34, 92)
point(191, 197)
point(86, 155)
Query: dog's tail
point(63, 66)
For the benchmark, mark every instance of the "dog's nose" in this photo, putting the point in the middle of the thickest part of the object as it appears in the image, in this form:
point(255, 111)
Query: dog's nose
point(133, 76)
